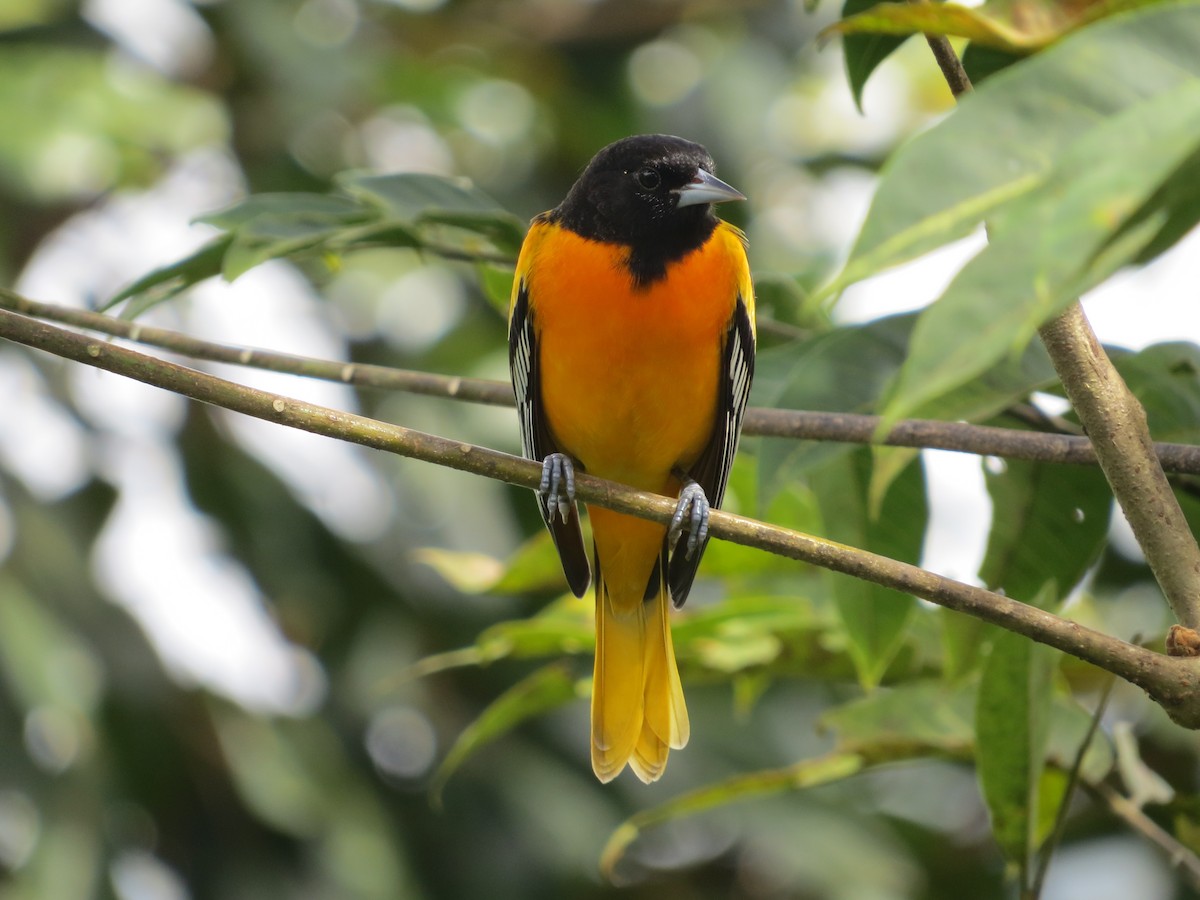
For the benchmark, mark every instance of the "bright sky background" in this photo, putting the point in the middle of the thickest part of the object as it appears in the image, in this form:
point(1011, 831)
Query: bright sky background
point(213, 629)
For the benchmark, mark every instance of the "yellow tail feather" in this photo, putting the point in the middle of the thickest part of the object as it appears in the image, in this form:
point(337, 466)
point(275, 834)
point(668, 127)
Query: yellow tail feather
point(638, 711)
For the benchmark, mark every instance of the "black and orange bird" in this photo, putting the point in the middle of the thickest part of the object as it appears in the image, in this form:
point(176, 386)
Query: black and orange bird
point(631, 347)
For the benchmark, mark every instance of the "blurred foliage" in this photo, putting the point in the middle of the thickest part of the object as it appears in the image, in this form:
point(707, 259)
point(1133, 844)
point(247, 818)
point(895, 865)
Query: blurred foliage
point(217, 682)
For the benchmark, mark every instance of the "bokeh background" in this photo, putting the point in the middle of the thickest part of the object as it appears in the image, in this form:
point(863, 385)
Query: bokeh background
point(207, 623)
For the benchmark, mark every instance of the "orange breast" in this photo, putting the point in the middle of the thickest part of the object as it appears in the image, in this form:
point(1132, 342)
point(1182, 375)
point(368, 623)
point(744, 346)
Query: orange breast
point(630, 377)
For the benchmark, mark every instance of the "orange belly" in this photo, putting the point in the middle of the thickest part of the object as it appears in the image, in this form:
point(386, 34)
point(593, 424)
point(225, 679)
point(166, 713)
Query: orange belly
point(629, 377)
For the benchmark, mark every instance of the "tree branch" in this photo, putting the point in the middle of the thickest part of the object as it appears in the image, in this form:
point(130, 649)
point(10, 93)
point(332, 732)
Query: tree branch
point(983, 440)
point(1116, 424)
point(1172, 682)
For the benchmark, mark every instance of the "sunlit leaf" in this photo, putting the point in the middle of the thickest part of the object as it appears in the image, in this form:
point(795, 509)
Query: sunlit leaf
point(544, 690)
point(808, 773)
point(1012, 25)
point(1042, 250)
point(533, 568)
point(1004, 140)
point(564, 626)
point(471, 573)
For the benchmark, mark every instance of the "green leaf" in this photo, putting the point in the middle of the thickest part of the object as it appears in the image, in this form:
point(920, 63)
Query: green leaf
point(804, 774)
point(1069, 728)
point(534, 567)
point(416, 198)
point(1004, 139)
point(930, 715)
point(864, 52)
point(1010, 380)
point(1012, 719)
point(874, 617)
point(497, 282)
point(299, 207)
point(546, 689)
point(1044, 248)
point(407, 196)
point(563, 627)
point(1049, 524)
point(162, 284)
point(1166, 379)
point(470, 573)
point(1174, 210)
point(844, 370)
point(961, 639)
point(1011, 25)
point(274, 236)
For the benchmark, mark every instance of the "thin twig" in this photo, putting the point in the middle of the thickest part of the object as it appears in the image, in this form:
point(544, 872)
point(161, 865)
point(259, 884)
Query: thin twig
point(856, 428)
point(1181, 857)
point(951, 66)
point(1172, 682)
point(1073, 782)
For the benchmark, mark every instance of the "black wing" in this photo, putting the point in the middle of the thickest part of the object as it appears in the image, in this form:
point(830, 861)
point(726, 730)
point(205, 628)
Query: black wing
point(535, 438)
point(711, 470)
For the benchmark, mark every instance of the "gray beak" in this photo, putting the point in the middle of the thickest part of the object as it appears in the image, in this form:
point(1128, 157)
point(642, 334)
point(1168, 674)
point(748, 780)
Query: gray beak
point(706, 188)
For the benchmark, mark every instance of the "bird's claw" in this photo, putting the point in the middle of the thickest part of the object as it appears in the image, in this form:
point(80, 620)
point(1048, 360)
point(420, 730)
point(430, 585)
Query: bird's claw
point(557, 487)
point(691, 514)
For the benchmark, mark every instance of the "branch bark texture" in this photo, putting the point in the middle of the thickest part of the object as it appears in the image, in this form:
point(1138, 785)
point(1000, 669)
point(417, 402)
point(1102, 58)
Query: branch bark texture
point(1172, 682)
point(1116, 425)
point(796, 424)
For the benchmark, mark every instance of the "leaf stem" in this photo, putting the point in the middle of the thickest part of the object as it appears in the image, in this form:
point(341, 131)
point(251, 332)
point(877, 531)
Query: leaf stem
point(1172, 682)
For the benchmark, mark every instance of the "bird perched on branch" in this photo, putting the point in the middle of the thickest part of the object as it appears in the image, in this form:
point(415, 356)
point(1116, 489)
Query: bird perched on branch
point(631, 347)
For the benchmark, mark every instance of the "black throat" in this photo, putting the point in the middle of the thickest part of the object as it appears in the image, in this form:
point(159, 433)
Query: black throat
point(652, 251)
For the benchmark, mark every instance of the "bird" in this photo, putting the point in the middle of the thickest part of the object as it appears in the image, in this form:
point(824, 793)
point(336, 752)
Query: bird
point(631, 350)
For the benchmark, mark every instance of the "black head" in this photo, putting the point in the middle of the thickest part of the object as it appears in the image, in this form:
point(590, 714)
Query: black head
point(652, 193)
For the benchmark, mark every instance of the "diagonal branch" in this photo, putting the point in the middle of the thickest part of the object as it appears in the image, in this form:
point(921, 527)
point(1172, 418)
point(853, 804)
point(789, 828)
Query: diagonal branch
point(1115, 422)
point(1172, 682)
point(809, 425)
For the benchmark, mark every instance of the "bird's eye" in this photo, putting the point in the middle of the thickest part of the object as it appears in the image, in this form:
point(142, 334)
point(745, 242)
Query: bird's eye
point(648, 179)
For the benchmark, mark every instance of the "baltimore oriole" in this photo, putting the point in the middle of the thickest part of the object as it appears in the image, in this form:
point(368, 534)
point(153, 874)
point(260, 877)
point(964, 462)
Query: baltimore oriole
point(631, 347)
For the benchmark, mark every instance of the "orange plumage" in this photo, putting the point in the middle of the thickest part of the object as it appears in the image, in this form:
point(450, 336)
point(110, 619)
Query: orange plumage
point(631, 342)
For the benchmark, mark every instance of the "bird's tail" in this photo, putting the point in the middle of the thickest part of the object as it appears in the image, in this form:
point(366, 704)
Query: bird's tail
point(638, 713)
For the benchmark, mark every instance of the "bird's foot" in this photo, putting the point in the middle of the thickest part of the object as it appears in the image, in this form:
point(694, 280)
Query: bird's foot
point(557, 488)
point(691, 514)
